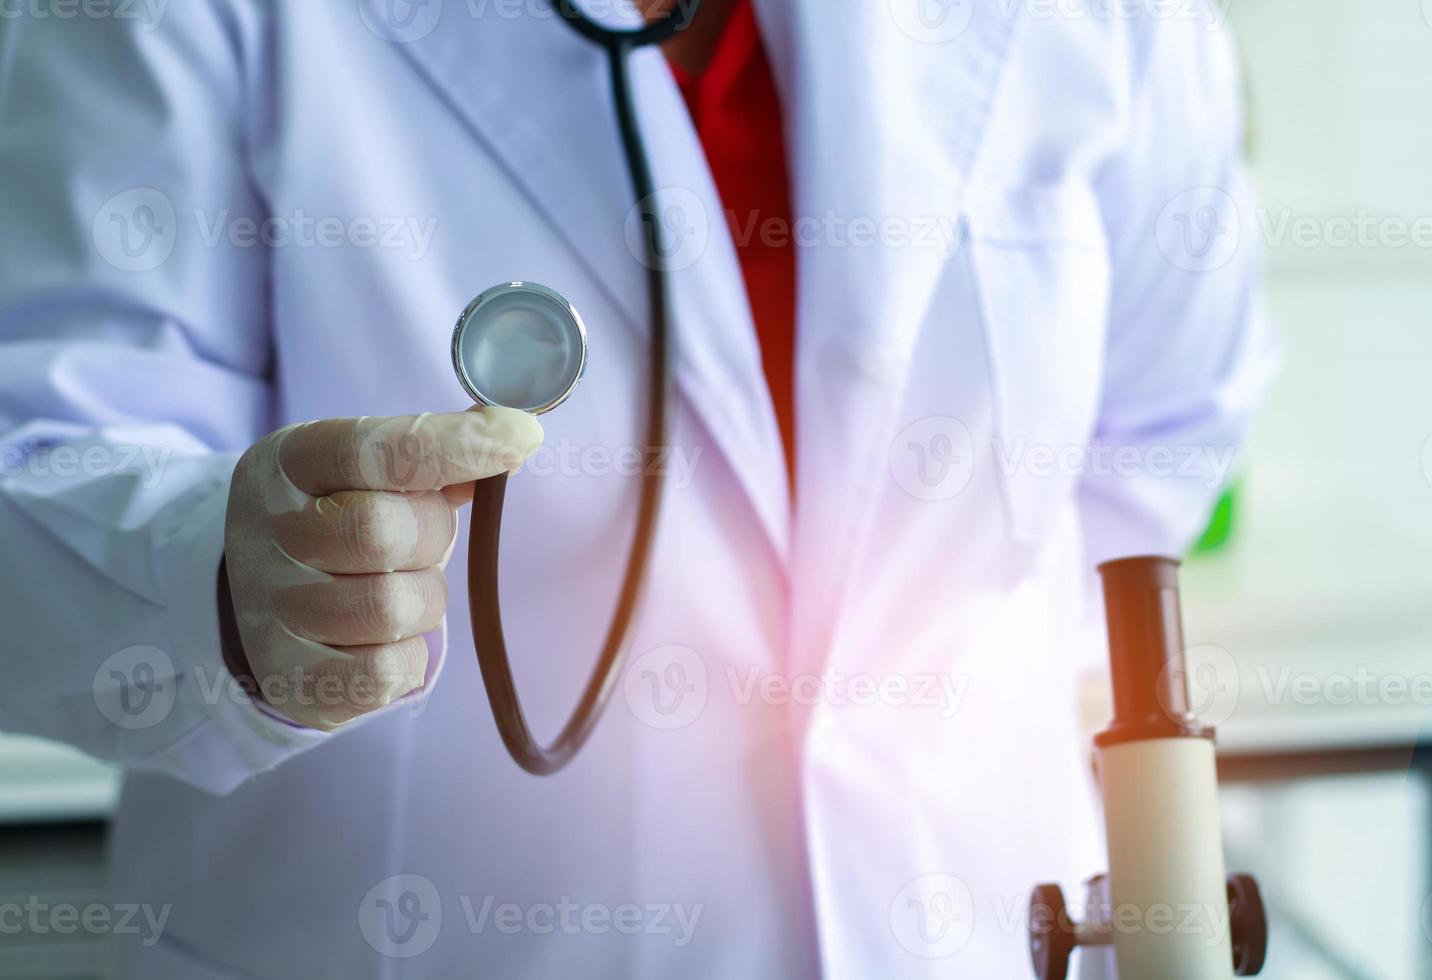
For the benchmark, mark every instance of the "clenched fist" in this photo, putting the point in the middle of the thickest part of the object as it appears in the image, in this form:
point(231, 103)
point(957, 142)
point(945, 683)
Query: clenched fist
point(335, 542)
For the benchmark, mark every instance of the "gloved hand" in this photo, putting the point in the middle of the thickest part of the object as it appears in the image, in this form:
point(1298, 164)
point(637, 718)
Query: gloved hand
point(336, 537)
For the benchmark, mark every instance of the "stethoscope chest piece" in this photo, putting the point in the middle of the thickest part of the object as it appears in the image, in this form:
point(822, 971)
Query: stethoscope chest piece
point(520, 345)
point(523, 346)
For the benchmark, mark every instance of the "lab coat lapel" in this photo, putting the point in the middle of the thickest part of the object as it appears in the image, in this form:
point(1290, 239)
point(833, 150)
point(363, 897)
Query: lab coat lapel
point(539, 98)
point(887, 111)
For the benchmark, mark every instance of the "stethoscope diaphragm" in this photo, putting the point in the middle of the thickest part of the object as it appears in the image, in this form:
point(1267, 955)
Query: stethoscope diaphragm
point(520, 345)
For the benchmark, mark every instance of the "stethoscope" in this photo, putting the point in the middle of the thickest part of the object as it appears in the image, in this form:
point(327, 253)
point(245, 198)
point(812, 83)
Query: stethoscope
point(523, 346)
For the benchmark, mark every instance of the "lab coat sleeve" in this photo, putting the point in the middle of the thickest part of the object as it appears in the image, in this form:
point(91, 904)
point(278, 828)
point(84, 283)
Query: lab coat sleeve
point(1188, 353)
point(134, 365)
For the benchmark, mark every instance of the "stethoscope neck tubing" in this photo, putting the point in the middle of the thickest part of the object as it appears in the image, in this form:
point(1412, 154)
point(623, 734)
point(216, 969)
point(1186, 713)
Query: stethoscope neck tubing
point(611, 38)
point(648, 223)
point(603, 680)
point(488, 495)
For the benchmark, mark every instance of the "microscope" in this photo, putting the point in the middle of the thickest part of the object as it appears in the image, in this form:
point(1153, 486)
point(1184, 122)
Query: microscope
point(1165, 905)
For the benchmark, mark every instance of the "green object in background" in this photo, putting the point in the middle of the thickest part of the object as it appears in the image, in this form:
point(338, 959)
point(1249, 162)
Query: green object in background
point(1220, 524)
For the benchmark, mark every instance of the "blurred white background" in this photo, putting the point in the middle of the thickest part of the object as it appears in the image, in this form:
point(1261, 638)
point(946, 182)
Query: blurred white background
point(1327, 582)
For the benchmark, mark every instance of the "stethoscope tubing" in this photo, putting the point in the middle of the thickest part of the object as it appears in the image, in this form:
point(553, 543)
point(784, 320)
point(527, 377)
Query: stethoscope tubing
point(488, 496)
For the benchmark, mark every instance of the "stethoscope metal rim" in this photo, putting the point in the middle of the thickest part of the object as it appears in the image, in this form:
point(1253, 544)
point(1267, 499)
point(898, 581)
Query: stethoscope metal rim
point(551, 295)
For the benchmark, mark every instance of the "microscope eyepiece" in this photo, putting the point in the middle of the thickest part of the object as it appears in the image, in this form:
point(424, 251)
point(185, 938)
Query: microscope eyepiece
point(1141, 608)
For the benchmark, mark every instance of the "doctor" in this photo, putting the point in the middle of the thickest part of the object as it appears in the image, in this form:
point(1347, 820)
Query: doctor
point(965, 301)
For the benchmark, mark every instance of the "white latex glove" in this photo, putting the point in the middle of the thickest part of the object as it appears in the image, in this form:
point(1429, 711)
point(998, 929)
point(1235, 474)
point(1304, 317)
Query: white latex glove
point(335, 541)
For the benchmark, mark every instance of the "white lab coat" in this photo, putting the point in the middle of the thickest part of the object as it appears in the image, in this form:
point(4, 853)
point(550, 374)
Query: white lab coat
point(734, 815)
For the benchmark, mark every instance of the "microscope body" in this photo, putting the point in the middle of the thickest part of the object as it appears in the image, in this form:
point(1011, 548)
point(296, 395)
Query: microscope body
point(1166, 905)
point(1167, 887)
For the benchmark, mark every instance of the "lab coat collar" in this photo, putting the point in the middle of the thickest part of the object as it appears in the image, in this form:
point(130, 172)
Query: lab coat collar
point(885, 114)
point(539, 98)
